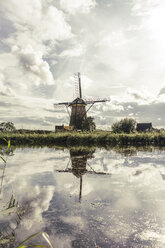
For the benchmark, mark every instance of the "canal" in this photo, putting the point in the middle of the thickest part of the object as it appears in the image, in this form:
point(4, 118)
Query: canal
point(83, 197)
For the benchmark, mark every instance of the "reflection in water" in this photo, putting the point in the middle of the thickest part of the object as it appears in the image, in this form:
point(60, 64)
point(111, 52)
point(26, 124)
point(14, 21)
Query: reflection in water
point(9, 210)
point(5, 152)
point(123, 210)
point(78, 159)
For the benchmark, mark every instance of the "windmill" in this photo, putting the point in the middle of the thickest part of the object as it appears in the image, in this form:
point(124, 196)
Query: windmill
point(78, 111)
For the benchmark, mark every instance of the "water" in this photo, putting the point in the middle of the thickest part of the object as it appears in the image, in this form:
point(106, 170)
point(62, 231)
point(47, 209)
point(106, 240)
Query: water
point(85, 198)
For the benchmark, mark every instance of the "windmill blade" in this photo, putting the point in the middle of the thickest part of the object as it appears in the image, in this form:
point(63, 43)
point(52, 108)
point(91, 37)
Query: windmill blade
point(58, 107)
point(77, 81)
point(87, 172)
point(95, 100)
point(76, 86)
point(61, 104)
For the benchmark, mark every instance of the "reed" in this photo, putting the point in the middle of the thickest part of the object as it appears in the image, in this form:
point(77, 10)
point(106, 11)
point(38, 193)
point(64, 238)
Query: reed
point(43, 234)
point(101, 139)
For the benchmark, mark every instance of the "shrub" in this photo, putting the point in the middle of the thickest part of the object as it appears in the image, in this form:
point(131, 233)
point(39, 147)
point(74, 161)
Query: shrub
point(7, 127)
point(126, 125)
point(88, 124)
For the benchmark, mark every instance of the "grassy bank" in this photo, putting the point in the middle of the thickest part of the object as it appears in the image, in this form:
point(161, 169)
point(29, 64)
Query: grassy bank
point(85, 139)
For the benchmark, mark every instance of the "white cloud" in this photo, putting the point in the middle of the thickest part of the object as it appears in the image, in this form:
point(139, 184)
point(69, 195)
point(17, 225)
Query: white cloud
point(32, 62)
point(110, 106)
point(34, 22)
point(74, 6)
point(115, 39)
point(75, 52)
point(35, 27)
point(5, 90)
point(155, 24)
point(143, 7)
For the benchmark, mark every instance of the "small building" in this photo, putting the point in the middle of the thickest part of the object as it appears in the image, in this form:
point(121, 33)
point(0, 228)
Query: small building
point(144, 127)
point(63, 128)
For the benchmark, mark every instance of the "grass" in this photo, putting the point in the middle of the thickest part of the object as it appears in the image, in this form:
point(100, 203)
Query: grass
point(101, 139)
point(43, 234)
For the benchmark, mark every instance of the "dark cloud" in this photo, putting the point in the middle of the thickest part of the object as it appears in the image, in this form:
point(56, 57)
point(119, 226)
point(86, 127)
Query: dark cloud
point(162, 91)
point(31, 121)
point(6, 27)
point(5, 104)
point(43, 91)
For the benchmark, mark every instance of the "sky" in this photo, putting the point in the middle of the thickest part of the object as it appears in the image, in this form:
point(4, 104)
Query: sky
point(118, 46)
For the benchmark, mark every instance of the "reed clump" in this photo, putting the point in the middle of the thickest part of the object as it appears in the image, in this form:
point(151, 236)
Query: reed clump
point(86, 139)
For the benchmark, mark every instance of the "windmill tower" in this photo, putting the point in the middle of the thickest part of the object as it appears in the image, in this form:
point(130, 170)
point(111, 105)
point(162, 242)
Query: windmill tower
point(78, 106)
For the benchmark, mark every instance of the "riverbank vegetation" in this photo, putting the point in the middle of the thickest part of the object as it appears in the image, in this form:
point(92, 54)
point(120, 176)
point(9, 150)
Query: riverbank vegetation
point(123, 134)
point(96, 138)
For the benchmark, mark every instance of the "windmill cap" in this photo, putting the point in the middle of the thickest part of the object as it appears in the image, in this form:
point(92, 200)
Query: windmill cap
point(78, 101)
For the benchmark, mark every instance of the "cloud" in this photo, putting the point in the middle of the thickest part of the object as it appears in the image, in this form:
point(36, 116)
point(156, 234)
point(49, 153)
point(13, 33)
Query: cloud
point(162, 91)
point(36, 29)
point(32, 63)
point(35, 22)
point(143, 7)
point(33, 30)
point(143, 94)
point(37, 203)
point(115, 39)
point(110, 106)
point(75, 52)
point(5, 90)
point(80, 6)
point(36, 114)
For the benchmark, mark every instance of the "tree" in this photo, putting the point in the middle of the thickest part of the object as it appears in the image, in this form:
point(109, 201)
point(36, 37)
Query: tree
point(88, 124)
point(7, 127)
point(126, 125)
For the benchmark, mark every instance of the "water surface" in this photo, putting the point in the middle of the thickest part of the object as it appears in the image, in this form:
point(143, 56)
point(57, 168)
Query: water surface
point(86, 198)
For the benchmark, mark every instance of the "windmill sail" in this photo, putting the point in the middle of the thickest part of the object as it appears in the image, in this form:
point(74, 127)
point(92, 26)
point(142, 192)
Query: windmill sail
point(91, 100)
point(77, 80)
point(62, 103)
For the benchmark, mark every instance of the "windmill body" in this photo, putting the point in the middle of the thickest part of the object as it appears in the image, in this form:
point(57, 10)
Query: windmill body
point(78, 113)
point(78, 106)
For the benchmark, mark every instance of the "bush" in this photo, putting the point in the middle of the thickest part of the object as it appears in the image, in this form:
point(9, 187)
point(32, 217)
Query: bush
point(126, 125)
point(88, 124)
point(7, 127)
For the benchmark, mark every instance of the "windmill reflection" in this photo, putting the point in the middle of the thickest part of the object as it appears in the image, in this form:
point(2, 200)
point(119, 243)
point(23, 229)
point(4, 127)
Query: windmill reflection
point(79, 162)
point(80, 166)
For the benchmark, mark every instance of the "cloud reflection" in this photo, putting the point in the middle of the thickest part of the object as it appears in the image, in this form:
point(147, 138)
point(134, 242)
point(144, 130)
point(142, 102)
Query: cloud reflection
point(118, 207)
